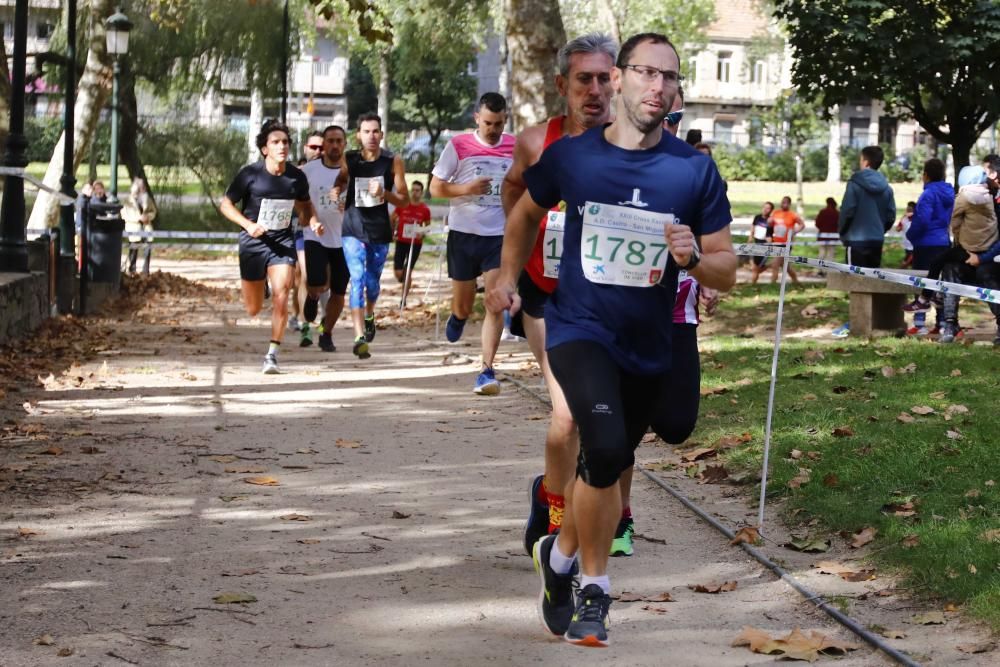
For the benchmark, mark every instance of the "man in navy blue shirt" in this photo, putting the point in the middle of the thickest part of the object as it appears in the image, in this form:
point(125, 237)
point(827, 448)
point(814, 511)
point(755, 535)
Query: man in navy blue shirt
point(640, 205)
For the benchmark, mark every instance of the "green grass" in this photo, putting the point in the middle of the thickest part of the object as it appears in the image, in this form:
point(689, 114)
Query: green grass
point(953, 483)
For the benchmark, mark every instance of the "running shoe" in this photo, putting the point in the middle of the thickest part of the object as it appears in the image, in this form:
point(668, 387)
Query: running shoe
point(843, 331)
point(306, 339)
point(453, 328)
point(555, 601)
point(326, 343)
point(370, 328)
point(293, 323)
point(271, 365)
point(918, 305)
point(917, 331)
point(622, 544)
point(487, 383)
point(537, 525)
point(309, 309)
point(361, 348)
point(948, 333)
point(590, 621)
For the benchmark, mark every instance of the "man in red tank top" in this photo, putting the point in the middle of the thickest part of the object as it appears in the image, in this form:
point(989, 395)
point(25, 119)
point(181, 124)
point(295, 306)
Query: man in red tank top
point(584, 79)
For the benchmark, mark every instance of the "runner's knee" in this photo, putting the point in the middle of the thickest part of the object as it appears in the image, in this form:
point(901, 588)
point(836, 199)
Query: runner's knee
point(600, 467)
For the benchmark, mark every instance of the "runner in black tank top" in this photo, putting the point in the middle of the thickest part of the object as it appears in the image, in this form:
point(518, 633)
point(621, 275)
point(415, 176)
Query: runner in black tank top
point(374, 178)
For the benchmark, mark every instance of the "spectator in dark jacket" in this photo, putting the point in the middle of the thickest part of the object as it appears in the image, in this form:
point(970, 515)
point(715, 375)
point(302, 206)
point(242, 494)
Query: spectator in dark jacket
point(827, 222)
point(991, 163)
point(929, 229)
point(867, 212)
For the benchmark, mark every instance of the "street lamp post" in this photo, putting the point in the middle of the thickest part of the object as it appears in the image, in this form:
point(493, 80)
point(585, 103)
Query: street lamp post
point(66, 272)
point(118, 27)
point(13, 248)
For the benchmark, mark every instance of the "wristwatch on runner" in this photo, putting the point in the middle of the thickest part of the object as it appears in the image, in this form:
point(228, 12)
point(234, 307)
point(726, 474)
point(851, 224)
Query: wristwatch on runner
point(693, 260)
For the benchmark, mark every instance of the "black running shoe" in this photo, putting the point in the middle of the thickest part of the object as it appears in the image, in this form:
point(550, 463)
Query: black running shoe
point(537, 525)
point(361, 348)
point(326, 343)
point(555, 602)
point(370, 328)
point(310, 308)
point(589, 623)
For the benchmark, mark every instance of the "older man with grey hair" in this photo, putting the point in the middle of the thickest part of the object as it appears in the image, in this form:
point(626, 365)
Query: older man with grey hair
point(584, 80)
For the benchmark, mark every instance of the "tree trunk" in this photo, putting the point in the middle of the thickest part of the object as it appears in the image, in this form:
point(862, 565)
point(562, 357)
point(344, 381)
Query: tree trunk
point(92, 92)
point(383, 93)
point(128, 145)
point(960, 153)
point(535, 34)
point(833, 148)
point(606, 16)
point(256, 121)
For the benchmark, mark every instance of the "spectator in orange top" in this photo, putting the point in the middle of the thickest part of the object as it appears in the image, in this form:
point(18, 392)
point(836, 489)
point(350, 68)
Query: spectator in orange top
point(785, 224)
point(826, 227)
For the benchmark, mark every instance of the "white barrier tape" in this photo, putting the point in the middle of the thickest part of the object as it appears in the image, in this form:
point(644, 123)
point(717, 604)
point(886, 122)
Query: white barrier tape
point(19, 171)
point(967, 291)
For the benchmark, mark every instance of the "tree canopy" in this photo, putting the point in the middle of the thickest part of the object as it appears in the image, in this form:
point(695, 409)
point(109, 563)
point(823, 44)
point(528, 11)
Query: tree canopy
point(936, 61)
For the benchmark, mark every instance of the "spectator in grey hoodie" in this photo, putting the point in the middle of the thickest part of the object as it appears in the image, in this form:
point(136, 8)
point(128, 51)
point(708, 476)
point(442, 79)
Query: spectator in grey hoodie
point(868, 211)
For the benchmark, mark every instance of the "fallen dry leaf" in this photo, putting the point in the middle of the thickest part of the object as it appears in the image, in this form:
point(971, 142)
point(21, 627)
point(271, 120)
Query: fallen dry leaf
point(892, 634)
point(992, 535)
point(713, 474)
point(628, 596)
point(730, 441)
point(831, 480)
point(863, 537)
point(306, 450)
point(810, 397)
point(888, 371)
point(910, 541)
point(800, 479)
point(25, 533)
point(44, 640)
point(954, 435)
point(295, 517)
point(843, 432)
point(347, 444)
point(796, 645)
point(795, 454)
point(262, 481)
point(955, 373)
point(930, 618)
point(746, 535)
point(807, 544)
point(922, 410)
point(53, 451)
point(65, 652)
point(714, 587)
point(980, 647)
point(234, 598)
point(905, 417)
point(698, 454)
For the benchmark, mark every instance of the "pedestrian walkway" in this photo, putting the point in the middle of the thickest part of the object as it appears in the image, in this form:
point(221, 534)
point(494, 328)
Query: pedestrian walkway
point(366, 514)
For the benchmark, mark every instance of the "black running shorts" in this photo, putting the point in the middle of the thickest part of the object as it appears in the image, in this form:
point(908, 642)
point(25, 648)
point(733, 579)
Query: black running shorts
point(402, 254)
point(533, 298)
point(471, 255)
point(320, 260)
point(614, 409)
point(258, 254)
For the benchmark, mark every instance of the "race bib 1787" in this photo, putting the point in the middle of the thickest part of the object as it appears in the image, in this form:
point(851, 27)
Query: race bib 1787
point(275, 214)
point(363, 198)
point(623, 246)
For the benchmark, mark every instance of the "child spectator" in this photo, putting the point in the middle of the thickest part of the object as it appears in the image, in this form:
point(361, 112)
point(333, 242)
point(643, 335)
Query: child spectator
point(904, 226)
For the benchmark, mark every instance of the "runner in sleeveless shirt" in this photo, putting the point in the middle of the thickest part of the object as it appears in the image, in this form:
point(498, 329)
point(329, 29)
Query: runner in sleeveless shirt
point(326, 267)
point(609, 323)
point(785, 223)
point(469, 173)
point(268, 191)
point(584, 80)
point(373, 177)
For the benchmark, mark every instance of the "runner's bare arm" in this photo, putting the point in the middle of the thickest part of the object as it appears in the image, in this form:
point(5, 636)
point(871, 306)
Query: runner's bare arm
point(527, 150)
point(228, 209)
point(717, 268)
point(400, 195)
point(518, 240)
point(306, 211)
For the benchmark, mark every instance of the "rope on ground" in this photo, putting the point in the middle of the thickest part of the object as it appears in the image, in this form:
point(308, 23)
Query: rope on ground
point(966, 291)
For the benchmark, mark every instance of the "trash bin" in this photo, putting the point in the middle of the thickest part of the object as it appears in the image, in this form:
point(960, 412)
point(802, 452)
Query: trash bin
point(104, 243)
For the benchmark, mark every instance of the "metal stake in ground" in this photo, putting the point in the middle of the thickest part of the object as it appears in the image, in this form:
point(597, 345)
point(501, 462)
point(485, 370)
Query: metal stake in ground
point(774, 380)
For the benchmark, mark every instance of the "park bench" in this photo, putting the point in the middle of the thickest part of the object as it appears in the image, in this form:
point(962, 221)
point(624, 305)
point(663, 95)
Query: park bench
point(876, 306)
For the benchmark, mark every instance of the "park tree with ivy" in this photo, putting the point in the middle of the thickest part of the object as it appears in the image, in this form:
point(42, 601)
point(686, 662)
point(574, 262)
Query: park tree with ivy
point(936, 61)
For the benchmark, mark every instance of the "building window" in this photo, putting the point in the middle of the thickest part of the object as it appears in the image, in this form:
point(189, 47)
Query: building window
point(723, 66)
point(692, 74)
point(44, 30)
point(887, 130)
point(722, 131)
point(757, 72)
point(322, 67)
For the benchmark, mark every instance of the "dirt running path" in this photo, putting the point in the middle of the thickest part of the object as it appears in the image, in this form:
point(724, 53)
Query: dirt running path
point(391, 534)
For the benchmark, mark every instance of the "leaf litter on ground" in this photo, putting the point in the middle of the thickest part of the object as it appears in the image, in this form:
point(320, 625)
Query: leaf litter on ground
point(796, 645)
